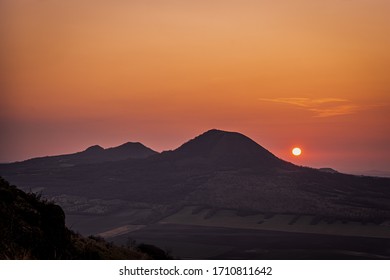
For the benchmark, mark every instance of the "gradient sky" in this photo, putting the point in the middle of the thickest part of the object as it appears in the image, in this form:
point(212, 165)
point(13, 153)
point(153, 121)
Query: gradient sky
point(315, 74)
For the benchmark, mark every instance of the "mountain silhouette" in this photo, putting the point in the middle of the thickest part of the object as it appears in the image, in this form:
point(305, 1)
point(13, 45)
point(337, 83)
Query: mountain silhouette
point(126, 151)
point(94, 149)
point(220, 179)
point(227, 149)
point(92, 155)
point(217, 169)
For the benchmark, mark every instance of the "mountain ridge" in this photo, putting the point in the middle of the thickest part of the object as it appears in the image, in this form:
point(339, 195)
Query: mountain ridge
point(218, 142)
point(220, 149)
point(93, 154)
point(218, 169)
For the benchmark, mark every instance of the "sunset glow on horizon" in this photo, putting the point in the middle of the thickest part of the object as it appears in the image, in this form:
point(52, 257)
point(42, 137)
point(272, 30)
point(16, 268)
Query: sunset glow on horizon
point(77, 73)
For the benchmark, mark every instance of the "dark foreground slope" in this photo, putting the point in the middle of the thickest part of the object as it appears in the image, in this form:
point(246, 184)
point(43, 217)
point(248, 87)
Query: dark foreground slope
point(32, 228)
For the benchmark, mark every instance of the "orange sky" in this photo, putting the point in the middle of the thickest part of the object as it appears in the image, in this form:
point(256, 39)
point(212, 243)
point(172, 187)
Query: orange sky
point(311, 73)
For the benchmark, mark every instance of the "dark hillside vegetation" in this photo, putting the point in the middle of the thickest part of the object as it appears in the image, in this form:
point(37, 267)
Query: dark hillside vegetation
point(34, 228)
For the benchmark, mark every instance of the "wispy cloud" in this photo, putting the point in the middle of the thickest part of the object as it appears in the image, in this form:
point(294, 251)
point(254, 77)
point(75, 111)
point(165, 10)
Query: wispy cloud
point(322, 107)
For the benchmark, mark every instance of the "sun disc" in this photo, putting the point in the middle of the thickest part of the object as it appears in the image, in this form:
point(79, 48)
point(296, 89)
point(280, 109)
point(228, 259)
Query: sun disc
point(296, 151)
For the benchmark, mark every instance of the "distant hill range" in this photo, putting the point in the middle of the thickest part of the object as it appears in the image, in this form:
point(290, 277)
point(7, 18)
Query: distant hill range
point(377, 173)
point(327, 169)
point(218, 169)
point(93, 154)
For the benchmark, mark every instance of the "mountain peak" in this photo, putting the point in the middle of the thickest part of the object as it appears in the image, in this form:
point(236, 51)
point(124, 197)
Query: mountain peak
point(215, 140)
point(130, 145)
point(130, 150)
point(215, 131)
point(227, 148)
point(94, 148)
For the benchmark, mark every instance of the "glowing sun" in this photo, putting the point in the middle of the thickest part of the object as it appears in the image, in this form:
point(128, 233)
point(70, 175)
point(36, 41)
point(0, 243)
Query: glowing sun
point(296, 151)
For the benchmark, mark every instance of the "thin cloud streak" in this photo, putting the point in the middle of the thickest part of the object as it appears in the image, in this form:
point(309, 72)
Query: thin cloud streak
point(322, 107)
